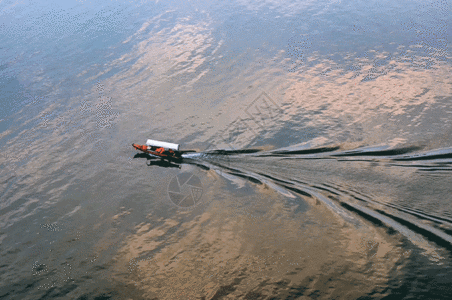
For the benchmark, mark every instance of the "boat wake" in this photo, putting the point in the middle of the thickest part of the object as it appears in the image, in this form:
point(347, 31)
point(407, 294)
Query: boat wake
point(393, 188)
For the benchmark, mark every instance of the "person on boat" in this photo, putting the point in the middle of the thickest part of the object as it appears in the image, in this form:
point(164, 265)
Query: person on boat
point(160, 150)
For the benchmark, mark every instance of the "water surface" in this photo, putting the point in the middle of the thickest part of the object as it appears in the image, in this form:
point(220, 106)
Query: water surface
point(323, 137)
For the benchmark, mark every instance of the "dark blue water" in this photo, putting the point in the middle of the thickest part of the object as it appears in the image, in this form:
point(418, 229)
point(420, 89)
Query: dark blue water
point(323, 160)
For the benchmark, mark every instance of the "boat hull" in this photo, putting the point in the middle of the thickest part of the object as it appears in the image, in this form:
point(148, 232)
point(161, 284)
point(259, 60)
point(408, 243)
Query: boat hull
point(176, 157)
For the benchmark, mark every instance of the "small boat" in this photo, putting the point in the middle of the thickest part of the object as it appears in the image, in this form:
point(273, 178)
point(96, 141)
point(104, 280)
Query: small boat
point(163, 150)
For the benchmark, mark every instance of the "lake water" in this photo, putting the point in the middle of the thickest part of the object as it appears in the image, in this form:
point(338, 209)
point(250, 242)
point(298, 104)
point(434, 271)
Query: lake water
point(323, 132)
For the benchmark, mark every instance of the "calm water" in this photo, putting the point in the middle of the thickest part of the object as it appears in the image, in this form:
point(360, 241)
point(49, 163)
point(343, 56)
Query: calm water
point(323, 132)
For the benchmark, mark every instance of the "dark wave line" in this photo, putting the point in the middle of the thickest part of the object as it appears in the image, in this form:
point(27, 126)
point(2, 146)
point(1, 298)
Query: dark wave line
point(297, 190)
point(273, 178)
point(305, 157)
point(427, 169)
point(368, 217)
point(325, 189)
point(389, 152)
point(444, 153)
point(231, 152)
point(425, 157)
point(305, 151)
point(418, 166)
point(250, 178)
